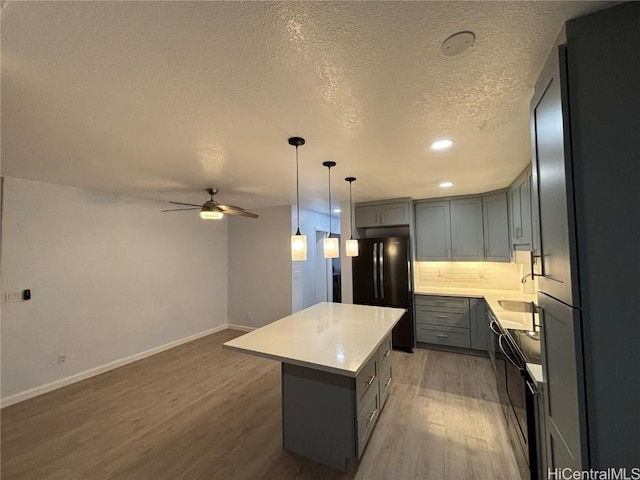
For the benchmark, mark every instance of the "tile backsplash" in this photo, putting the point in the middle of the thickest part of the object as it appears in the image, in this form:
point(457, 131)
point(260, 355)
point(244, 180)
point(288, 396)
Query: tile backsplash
point(493, 275)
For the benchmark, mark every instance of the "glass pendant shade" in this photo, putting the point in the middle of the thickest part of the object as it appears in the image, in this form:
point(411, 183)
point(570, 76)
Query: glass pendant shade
point(298, 247)
point(352, 245)
point(331, 248)
point(352, 248)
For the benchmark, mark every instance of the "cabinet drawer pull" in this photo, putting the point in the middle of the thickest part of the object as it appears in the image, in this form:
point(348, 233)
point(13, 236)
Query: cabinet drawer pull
point(372, 416)
point(442, 335)
point(388, 383)
point(371, 378)
point(442, 316)
point(386, 354)
point(442, 302)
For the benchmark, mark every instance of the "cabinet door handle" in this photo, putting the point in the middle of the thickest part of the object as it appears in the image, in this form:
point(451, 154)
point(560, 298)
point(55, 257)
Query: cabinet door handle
point(454, 254)
point(441, 302)
point(442, 335)
point(386, 354)
point(372, 416)
point(388, 383)
point(532, 389)
point(382, 217)
point(486, 253)
point(371, 379)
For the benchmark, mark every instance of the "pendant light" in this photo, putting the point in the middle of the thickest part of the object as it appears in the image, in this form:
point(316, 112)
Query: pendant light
point(298, 241)
point(352, 245)
point(331, 246)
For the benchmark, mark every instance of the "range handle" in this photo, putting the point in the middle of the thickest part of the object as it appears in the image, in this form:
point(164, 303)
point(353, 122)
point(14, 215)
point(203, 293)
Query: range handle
point(506, 355)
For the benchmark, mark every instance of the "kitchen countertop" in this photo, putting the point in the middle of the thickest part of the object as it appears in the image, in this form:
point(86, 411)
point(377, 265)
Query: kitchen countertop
point(535, 371)
point(333, 337)
point(508, 319)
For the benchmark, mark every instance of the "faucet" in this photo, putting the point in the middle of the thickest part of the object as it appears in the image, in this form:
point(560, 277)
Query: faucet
point(524, 279)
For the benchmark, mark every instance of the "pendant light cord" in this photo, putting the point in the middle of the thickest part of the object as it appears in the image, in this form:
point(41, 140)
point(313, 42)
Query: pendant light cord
point(329, 201)
point(297, 192)
point(350, 213)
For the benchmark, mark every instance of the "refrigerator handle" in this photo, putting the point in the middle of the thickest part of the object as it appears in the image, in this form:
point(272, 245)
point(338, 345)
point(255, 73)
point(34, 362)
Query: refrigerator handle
point(381, 253)
point(375, 270)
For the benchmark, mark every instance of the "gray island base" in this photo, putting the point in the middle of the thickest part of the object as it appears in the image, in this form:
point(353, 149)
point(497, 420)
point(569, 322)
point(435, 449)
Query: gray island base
point(330, 405)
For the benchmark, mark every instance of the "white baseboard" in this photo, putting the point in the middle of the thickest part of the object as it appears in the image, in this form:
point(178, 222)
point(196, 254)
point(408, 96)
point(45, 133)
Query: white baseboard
point(63, 382)
point(242, 328)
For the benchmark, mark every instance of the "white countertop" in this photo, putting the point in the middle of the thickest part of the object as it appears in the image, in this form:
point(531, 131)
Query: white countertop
point(508, 319)
point(333, 337)
point(535, 371)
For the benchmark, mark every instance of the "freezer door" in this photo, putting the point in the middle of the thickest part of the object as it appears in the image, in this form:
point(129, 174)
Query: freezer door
point(395, 273)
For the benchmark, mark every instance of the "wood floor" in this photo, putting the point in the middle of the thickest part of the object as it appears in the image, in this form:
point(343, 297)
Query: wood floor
point(198, 411)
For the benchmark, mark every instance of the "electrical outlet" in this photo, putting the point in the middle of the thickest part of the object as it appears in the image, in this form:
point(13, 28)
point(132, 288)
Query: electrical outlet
point(62, 359)
point(12, 297)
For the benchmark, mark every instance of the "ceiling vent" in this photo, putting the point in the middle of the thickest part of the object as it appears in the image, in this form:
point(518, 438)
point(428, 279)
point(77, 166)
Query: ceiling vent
point(458, 43)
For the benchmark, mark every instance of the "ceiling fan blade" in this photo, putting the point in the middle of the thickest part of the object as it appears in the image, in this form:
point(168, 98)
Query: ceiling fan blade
point(228, 207)
point(189, 204)
point(180, 209)
point(241, 213)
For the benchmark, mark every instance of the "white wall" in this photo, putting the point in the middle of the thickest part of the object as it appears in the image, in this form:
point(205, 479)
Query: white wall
point(111, 276)
point(260, 267)
point(304, 284)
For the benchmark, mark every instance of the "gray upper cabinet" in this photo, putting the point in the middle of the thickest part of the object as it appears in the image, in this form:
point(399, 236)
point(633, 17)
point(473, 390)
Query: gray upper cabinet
point(496, 230)
point(467, 242)
point(463, 229)
point(520, 224)
point(433, 231)
point(382, 215)
point(552, 182)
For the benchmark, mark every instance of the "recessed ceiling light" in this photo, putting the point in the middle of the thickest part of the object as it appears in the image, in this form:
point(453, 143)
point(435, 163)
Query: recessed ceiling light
point(446, 184)
point(441, 144)
point(336, 210)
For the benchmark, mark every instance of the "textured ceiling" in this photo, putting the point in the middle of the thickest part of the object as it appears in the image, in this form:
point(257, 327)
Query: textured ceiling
point(163, 99)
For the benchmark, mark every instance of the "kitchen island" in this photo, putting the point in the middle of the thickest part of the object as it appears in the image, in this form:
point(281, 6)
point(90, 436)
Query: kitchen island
point(336, 376)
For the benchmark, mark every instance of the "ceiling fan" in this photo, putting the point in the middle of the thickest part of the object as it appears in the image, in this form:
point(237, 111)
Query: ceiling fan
point(212, 209)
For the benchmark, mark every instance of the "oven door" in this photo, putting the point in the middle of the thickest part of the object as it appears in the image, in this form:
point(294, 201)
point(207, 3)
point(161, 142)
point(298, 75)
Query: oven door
point(516, 392)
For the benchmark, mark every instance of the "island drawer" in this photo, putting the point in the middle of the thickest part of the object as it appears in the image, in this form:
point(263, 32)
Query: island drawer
point(442, 302)
point(367, 379)
point(451, 336)
point(426, 317)
point(366, 420)
point(384, 351)
point(385, 382)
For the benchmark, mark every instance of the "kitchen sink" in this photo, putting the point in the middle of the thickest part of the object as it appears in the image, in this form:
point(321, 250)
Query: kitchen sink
point(516, 306)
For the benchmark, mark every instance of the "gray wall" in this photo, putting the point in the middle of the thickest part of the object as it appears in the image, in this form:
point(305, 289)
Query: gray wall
point(260, 267)
point(111, 277)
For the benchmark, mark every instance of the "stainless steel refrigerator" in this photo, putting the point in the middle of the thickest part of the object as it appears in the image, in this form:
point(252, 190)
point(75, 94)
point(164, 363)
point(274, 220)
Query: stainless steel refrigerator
point(382, 277)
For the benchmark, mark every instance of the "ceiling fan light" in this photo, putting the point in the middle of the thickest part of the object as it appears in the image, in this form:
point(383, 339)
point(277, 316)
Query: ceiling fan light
point(352, 248)
point(211, 214)
point(331, 247)
point(298, 248)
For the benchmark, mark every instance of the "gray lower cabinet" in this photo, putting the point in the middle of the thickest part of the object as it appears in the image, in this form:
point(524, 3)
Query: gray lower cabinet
point(330, 417)
point(451, 321)
point(479, 327)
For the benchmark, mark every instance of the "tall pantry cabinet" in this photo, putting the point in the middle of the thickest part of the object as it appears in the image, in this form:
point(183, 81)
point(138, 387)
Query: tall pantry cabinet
point(585, 128)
